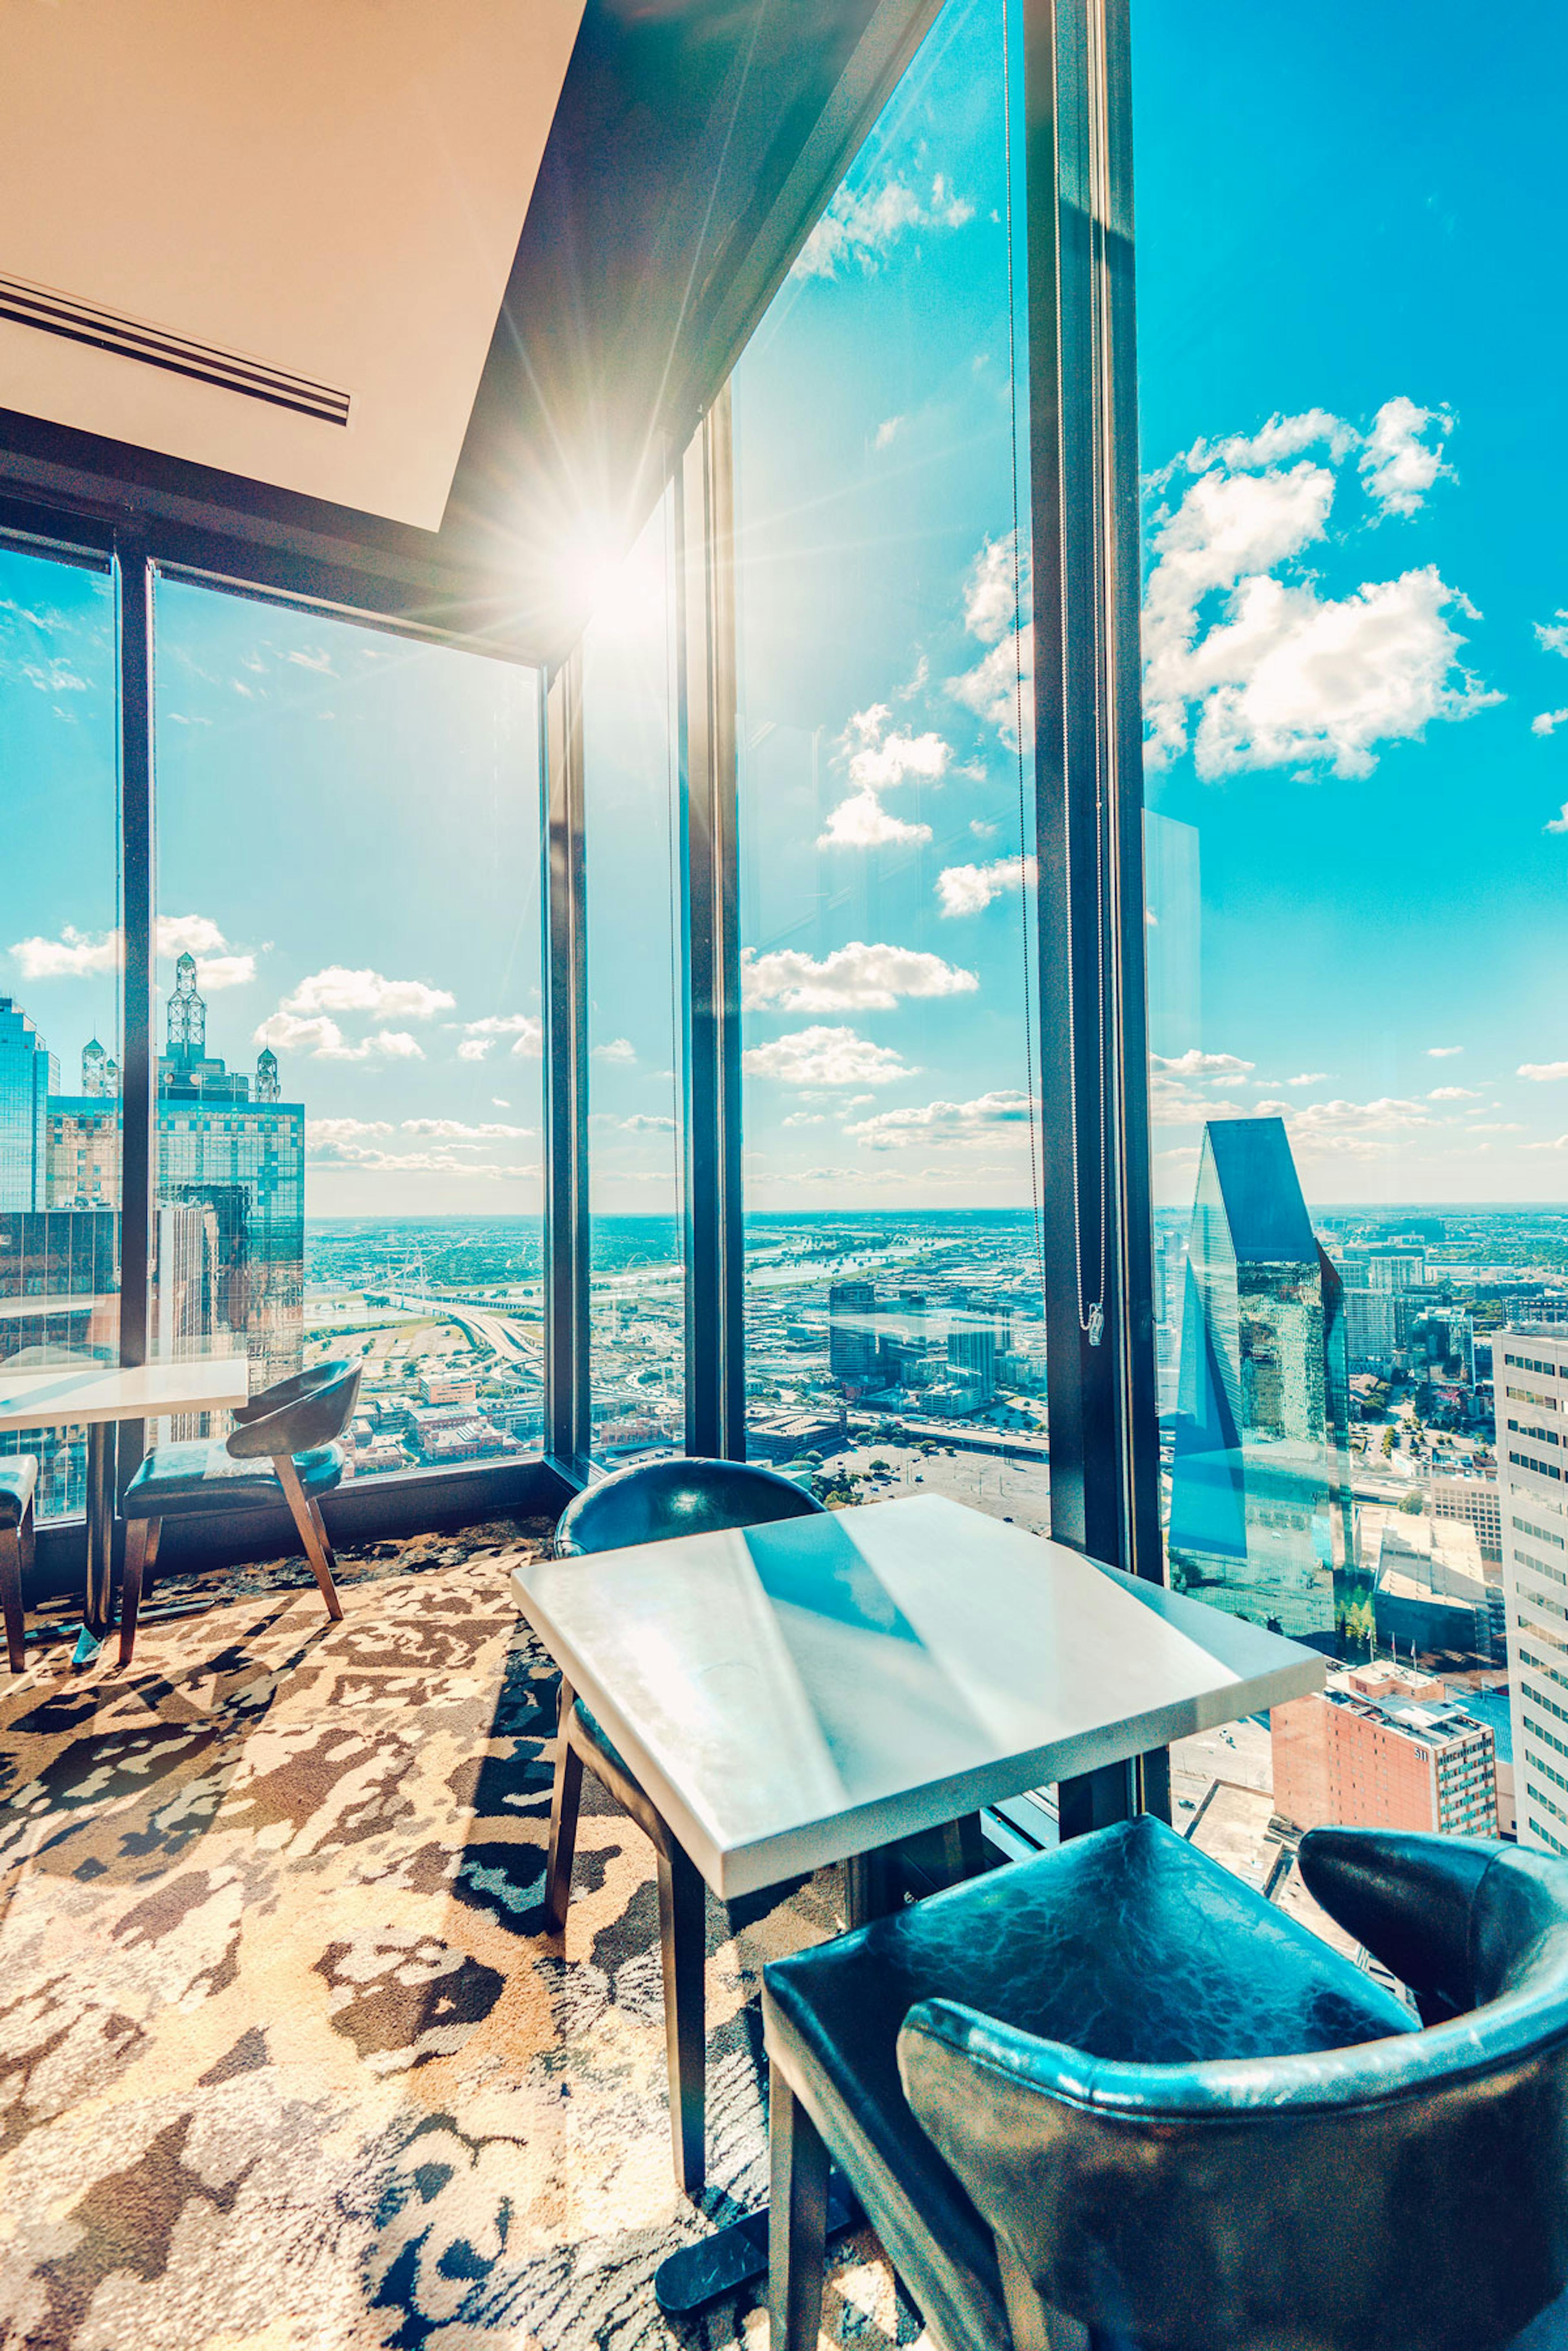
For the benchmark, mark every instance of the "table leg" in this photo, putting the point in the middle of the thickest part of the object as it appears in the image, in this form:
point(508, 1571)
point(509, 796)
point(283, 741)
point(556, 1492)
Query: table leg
point(99, 1600)
point(735, 2256)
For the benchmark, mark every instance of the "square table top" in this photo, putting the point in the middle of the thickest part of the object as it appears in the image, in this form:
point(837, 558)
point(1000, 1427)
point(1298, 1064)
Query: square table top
point(71, 1394)
point(794, 1694)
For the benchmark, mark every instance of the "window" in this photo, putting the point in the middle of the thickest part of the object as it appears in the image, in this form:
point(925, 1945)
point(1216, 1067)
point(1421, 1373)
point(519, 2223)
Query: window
point(59, 991)
point(632, 849)
point(1353, 645)
point(894, 1329)
point(349, 1085)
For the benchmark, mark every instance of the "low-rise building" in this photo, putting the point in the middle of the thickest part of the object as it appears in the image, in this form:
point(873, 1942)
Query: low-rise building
point(1383, 1747)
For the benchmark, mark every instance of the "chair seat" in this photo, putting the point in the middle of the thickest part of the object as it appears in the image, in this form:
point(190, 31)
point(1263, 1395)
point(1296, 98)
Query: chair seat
point(180, 1480)
point(18, 1475)
point(1129, 1945)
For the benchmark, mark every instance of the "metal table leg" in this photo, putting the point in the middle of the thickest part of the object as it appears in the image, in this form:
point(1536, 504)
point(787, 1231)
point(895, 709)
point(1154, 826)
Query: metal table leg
point(736, 2255)
point(98, 1611)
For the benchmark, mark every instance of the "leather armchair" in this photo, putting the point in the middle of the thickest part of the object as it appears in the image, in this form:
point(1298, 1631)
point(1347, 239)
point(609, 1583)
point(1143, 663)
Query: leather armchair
point(283, 1441)
point(1112, 2097)
point(655, 1501)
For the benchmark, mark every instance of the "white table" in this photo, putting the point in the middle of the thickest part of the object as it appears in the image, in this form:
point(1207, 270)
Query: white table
point(808, 1692)
point(101, 1396)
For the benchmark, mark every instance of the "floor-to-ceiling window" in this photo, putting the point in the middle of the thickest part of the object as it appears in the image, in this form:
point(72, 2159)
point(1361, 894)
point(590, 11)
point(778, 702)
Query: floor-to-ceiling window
point(349, 1087)
point(894, 1333)
point(632, 849)
point(59, 989)
point(1354, 645)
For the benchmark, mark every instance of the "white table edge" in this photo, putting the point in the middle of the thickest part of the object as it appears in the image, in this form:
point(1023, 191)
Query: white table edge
point(19, 1412)
point(735, 1870)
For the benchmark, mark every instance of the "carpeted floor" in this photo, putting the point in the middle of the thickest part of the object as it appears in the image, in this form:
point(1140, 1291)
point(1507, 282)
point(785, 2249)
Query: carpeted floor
point(286, 2062)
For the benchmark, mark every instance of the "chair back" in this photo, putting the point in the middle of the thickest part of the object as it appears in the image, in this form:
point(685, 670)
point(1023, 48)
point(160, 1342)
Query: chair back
point(654, 1502)
point(296, 1415)
point(1407, 2194)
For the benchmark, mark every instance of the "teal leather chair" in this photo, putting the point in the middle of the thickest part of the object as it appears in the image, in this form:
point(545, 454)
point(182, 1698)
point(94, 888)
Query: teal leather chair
point(19, 1480)
point(285, 1443)
point(1112, 2100)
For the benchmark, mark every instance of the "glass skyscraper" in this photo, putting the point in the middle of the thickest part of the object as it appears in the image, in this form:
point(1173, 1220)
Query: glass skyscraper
point(1260, 1514)
point(28, 1074)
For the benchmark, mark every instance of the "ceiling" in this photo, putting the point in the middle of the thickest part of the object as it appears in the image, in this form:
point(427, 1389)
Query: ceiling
point(525, 238)
point(334, 192)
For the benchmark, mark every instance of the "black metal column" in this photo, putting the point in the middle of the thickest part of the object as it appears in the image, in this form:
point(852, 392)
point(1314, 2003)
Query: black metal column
point(135, 581)
point(1104, 1444)
point(710, 942)
point(567, 1239)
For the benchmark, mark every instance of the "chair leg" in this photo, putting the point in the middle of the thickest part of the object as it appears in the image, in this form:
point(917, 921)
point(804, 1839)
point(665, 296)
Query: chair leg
point(11, 1593)
point(797, 2219)
point(312, 1532)
point(141, 1547)
point(565, 1794)
point(682, 1937)
point(1034, 2325)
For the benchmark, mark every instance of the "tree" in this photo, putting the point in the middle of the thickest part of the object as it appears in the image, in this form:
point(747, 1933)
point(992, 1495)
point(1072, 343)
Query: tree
point(1414, 1504)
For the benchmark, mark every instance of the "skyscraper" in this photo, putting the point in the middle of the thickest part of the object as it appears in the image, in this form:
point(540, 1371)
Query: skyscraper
point(28, 1074)
point(852, 1334)
point(1260, 1517)
point(1530, 1374)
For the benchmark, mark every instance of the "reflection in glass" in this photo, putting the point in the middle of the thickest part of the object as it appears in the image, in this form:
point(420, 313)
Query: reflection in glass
point(59, 1055)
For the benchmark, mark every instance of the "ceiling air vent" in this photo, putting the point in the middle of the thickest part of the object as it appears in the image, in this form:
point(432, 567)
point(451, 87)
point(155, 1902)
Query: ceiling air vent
point(131, 338)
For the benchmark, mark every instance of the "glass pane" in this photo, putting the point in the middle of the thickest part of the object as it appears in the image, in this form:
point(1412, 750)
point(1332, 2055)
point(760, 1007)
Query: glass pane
point(59, 994)
point(630, 755)
point(350, 1087)
point(1353, 657)
point(896, 1334)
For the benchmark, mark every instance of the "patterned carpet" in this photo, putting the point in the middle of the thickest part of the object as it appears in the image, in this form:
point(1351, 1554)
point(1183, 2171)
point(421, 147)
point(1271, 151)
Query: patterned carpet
point(286, 2062)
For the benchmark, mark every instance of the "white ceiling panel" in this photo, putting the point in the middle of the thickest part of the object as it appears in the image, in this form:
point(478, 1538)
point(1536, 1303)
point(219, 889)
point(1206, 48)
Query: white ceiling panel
point(269, 235)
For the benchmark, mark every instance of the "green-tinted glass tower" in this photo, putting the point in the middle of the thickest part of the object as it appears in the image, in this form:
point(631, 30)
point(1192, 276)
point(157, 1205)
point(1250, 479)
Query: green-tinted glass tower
point(1260, 1514)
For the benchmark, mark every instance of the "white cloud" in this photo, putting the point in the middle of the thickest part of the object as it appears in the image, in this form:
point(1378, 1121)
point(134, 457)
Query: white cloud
point(1221, 1066)
point(368, 1159)
point(968, 889)
point(618, 1049)
point(338, 989)
point(454, 1130)
point(323, 1040)
point(888, 431)
point(1543, 1071)
point(319, 661)
point(1282, 675)
point(1558, 823)
point(1283, 436)
point(942, 1121)
point(525, 1030)
point(1453, 1093)
point(823, 1056)
point(862, 822)
point(861, 225)
point(1552, 635)
point(643, 1122)
point(1558, 1143)
point(999, 689)
point(1397, 466)
point(76, 953)
point(342, 1129)
point(1307, 1078)
point(858, 977)
point(1443, 1052)
point(72, 955)
point(806, 1118)
point(1546, 722)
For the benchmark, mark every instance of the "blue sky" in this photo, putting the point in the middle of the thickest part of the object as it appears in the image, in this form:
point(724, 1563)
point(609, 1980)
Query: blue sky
point(1350, 374)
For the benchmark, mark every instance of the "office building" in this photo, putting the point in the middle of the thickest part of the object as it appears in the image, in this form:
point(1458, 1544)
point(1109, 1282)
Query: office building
point(852, 1335)
point(1474, 1497)
point(59, 1304)
point(1383, 1747)
point(1369, 1330)
point(1259, 1518)
point(1531, 1379)
point(1395, 1270)
point(29, 1073)
point(973, 1344)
